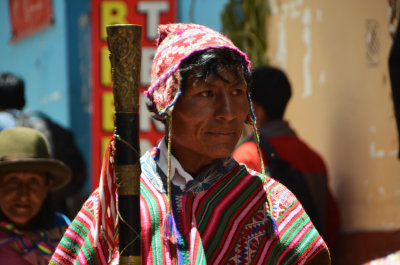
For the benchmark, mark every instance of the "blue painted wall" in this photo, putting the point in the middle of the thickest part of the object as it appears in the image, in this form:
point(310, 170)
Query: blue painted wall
point(78, 74)
point(41, 60)
point(55, 65)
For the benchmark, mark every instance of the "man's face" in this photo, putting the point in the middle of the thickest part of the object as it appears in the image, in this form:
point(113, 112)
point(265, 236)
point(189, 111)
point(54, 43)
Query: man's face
point(22, 194)
point(208, 119)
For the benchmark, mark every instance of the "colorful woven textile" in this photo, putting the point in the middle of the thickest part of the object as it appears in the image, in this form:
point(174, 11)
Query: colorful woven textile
point(175, 43)
point(220, 217)
point(303, 158)
point(30, 247)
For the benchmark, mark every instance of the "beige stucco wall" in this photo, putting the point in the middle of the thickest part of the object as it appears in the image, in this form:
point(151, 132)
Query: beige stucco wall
point(335, 54)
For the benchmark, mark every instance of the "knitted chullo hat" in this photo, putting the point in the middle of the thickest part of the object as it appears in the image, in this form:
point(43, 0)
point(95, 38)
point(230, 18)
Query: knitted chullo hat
point(177, 42)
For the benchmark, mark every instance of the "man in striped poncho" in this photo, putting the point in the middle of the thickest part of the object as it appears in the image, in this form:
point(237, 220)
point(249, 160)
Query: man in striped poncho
point(198, 205)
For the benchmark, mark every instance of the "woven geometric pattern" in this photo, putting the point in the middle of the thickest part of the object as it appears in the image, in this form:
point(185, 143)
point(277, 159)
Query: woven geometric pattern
point(225, 223)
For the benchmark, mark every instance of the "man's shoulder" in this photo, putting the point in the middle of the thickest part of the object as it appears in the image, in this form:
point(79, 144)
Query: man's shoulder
point(278, 192)
point(282, 199)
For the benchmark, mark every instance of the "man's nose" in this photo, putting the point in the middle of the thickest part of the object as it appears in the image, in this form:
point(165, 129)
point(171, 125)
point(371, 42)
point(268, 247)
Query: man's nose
point(23, 190)
point(224, 107)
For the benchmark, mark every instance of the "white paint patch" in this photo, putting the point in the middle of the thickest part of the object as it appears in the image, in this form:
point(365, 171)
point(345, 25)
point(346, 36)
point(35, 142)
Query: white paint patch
point(55, 96)
point(366, 182)
point(381, 190)
point(321, 77)
point(372, 129)
point(369, 38)
point(294, 14)
point(281, 51)
point(388, 226)
point(376, 153)
point(392, 29)
point(318, 17)
point(273, 6)
point(370, 197)
point(307, 89)
point(394, 153)
point(289, 6)
point(285, 8)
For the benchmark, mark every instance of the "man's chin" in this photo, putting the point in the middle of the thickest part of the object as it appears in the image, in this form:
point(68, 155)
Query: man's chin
point(21, 223)
point(221, 151)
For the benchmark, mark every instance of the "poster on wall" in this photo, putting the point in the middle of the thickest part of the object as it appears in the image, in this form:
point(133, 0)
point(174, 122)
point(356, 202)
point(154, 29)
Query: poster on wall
point(28, 17)
point(148, 14)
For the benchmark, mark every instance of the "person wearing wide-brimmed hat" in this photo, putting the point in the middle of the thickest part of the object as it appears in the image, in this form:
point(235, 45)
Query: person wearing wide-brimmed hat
point(29, 228)
point(197, 204)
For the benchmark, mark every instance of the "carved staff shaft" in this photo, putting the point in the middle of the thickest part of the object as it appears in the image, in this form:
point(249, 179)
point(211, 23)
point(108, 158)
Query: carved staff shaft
point(125, 57)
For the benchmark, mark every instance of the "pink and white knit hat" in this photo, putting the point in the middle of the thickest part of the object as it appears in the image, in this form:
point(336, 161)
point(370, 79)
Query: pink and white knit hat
point(176, 42)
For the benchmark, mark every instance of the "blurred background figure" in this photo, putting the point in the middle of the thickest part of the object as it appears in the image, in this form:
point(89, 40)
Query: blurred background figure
point(30, 228)
point(12, 99)
point(61, 141)
point(287, 157)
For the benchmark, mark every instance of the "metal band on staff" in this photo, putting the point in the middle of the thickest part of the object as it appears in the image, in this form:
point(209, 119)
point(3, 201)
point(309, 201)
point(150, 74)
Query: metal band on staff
point(125, 57)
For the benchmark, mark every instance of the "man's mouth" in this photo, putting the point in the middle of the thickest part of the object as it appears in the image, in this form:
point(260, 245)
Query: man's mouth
point(22, 207)
point(222, 132)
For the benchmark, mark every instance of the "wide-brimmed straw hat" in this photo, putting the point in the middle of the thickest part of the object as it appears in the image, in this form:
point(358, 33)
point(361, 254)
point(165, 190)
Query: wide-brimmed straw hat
point(26, 149)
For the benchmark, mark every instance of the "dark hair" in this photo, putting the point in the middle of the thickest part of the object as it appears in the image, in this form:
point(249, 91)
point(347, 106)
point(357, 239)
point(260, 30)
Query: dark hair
point(207, 62)
point(271, 89)
point(12, 92)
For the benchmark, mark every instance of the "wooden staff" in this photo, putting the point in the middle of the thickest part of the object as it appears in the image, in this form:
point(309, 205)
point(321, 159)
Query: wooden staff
point(125, 57)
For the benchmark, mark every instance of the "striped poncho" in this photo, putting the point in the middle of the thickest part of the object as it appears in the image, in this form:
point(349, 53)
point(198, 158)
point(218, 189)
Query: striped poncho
point(219, 218)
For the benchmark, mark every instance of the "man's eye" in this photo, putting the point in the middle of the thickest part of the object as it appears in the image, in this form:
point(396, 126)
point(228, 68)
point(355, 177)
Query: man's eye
point(34, 181)
point(238, 92)
point(12, 182)
point(206, 93)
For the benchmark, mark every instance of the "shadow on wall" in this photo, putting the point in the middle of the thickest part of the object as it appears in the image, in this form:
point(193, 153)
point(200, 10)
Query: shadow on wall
point(361, 247)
